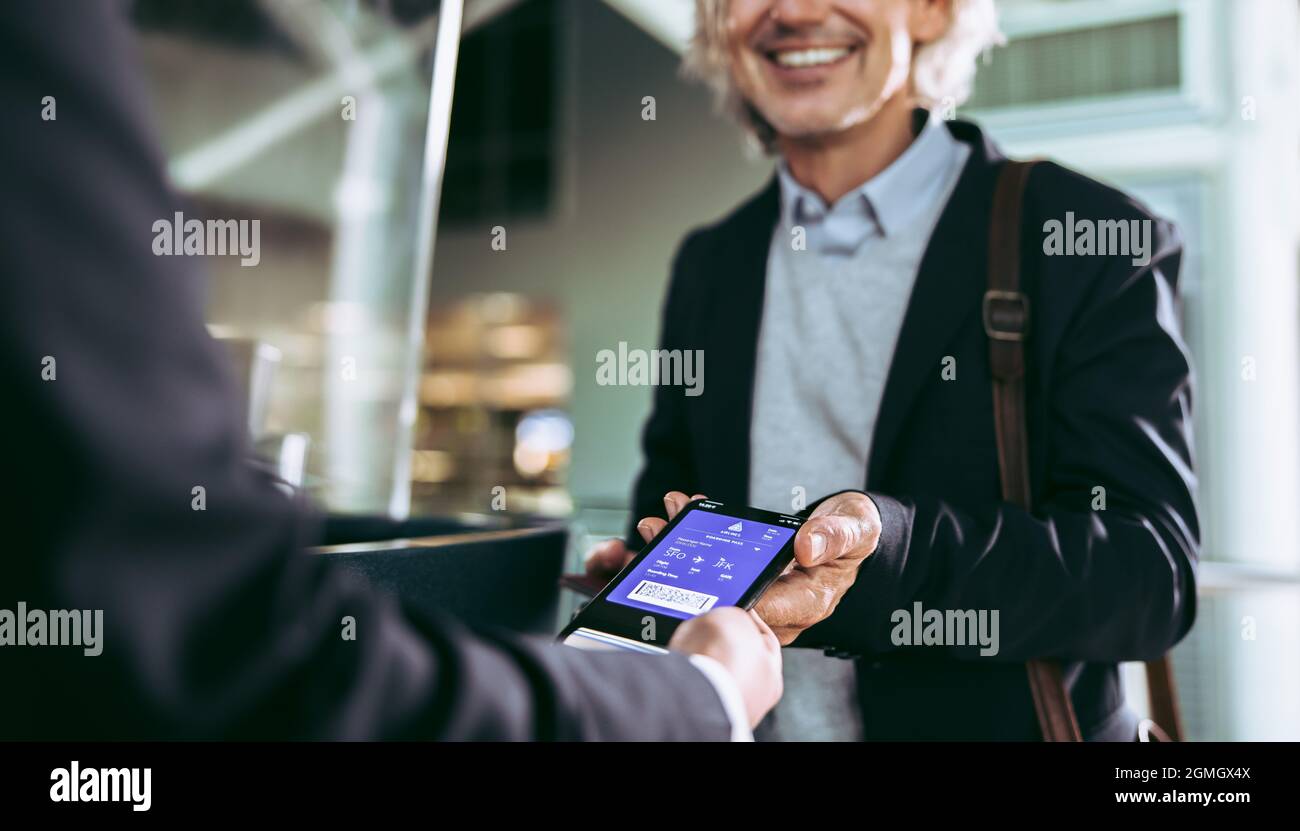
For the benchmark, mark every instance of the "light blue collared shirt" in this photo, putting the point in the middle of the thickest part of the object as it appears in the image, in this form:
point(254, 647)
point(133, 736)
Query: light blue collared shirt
point(885, 205)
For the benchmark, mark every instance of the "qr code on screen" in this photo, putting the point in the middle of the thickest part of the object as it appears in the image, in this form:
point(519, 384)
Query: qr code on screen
point(684, 600)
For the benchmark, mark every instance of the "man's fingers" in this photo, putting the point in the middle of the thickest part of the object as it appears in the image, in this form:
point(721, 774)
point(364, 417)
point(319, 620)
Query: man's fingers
point(845, 525)
point(830, 546)
point(606, 557)
point(674, 501)
point(826, 538)
point(791, 601)
point(649, 527)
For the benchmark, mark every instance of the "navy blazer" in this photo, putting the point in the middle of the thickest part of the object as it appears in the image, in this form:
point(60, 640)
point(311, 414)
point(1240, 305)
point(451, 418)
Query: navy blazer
point(1109, 402)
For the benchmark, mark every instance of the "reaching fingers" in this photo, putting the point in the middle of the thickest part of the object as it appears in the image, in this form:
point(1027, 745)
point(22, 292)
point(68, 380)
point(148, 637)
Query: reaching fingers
point(649, 527)
point(674, 501)
point(606, 556)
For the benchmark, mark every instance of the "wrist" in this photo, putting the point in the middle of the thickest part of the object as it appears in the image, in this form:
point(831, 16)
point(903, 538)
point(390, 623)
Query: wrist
point(729, 694)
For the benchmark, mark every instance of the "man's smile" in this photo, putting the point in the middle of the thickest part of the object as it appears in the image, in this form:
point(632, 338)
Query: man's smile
point(811, 56)
point(806, 62)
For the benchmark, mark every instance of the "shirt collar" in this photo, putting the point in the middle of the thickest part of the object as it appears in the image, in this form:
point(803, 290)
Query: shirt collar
point(889, 200)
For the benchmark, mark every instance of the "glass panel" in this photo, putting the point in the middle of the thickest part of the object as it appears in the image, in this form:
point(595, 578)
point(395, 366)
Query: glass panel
point(309, 119)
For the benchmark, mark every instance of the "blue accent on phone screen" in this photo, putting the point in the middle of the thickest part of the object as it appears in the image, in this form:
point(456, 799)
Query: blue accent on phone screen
point(709, 559)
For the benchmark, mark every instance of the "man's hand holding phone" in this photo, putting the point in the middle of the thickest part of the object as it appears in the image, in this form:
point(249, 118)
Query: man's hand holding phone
point(830, 547)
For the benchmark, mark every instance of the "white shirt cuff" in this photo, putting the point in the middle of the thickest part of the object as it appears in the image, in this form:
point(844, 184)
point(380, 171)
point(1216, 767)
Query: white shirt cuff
point(729, 693)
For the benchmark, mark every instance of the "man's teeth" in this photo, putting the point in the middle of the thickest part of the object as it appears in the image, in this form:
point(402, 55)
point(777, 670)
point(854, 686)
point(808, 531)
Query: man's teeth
point(811, 57)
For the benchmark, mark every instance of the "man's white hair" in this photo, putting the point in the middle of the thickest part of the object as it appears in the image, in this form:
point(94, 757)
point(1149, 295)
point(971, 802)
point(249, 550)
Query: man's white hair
point(942, 71)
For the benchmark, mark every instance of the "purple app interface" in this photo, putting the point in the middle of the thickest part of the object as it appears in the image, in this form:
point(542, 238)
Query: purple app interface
point(708, 560)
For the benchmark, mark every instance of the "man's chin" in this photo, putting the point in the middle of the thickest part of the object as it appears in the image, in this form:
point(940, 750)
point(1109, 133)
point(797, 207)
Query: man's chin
point(812, 129)
point(812, 126)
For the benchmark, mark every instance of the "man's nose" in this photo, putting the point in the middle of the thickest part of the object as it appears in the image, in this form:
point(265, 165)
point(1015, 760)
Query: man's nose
point(797, 13)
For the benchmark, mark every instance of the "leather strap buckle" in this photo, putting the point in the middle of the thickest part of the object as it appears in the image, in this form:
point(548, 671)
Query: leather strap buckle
point(1006, 315)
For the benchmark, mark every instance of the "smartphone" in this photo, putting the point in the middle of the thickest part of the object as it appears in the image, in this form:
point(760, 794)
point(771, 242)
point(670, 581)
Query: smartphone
point(709, 555)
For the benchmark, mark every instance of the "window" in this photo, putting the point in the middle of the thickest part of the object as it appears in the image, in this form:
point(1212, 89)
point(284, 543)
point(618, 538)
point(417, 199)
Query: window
point(501, 156)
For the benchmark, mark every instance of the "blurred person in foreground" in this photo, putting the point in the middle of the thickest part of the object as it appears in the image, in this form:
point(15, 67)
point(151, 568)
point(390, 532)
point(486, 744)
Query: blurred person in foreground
point(214, 623)
point(840, 310)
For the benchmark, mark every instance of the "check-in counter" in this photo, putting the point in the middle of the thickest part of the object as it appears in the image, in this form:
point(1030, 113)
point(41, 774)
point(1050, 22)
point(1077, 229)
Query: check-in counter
point(489, 573)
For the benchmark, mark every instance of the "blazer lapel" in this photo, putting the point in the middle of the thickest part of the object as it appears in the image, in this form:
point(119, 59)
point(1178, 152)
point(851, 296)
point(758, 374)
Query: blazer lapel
point(734, 317)
point(949, 289)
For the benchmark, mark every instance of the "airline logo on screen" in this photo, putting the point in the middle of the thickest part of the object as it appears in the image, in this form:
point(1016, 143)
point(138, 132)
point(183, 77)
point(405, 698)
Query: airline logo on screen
point(709, 560)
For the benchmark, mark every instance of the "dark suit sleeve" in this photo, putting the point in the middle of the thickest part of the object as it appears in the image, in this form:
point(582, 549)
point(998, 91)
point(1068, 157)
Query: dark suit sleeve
point(215, 623)
point(666, 439)
point(1069, 581)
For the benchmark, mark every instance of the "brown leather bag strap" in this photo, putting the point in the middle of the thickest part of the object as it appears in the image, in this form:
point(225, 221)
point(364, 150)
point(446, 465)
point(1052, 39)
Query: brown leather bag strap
point(1006, 322)
point(1052, 703)
point(1162, 696)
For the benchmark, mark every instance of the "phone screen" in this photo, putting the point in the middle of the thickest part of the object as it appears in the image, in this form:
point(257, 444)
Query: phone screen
point(709, 559)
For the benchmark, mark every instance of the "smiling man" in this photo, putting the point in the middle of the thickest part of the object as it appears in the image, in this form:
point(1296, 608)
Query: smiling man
point(841, 311)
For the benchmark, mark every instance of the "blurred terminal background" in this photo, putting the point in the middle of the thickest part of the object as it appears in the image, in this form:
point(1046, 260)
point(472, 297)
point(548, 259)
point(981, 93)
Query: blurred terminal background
point(387, 388)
